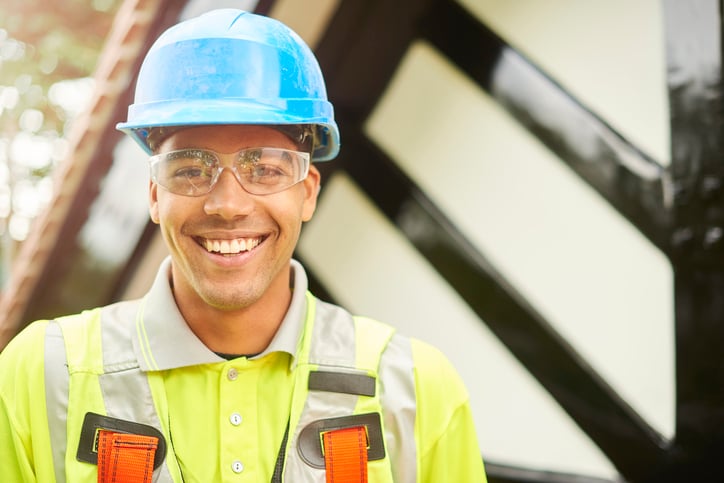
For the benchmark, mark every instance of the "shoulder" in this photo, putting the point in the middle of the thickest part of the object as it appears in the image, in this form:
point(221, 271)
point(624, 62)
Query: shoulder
point(435, 377)
point(445, 429)
point(25, 346)
point(443, 404)
point(431, 369)
point(23, 423)
point(25, 353)
point(22, 364)
point(27, 349)
point(86, 326)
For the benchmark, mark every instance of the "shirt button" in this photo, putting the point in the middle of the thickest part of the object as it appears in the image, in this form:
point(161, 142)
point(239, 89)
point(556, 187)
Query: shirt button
point(235, 419)
point(232, 374)
point(237, 467)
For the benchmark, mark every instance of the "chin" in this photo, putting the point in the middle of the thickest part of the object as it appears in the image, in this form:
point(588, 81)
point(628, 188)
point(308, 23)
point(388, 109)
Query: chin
point(228, 302)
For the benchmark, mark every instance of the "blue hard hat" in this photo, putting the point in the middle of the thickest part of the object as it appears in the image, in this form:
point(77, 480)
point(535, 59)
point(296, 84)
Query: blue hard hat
point(232, 67)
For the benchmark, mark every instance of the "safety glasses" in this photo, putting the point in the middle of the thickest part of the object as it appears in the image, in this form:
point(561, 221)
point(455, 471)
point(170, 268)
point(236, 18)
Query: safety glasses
point(260, 171)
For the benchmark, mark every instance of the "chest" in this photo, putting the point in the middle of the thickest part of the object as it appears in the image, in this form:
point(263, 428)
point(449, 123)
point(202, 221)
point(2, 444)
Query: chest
point(227, 421)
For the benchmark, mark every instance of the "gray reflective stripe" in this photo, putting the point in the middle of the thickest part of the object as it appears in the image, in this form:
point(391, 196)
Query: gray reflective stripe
point(400, 408)
point(332, 342)
point(126, 392)
point(333, 349)
point(56, 396)
point(332, 345)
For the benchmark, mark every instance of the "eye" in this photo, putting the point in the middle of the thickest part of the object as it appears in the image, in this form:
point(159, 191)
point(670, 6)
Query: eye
point(191, 164)
point(191, 172)
point(266, 171)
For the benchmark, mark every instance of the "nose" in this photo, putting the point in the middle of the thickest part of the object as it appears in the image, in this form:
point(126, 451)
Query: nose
point(228, 198)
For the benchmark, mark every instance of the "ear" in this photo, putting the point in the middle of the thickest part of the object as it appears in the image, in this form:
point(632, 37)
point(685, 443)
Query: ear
point(311, 192)
point(153, 201)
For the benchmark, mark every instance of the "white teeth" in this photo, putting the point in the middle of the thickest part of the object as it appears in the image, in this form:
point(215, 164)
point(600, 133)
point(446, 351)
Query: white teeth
point(231, 247)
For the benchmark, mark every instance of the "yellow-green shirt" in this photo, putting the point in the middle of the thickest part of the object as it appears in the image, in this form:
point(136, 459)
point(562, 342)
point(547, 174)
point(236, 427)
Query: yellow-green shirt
point(226, 418)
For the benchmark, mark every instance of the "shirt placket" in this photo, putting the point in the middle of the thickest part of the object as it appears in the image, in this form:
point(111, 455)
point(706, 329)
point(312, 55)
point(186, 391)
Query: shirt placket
point(238, 425)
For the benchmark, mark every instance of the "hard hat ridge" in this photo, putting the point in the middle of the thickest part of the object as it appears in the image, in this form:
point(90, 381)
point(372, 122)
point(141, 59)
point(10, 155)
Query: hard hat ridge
point(232, 67)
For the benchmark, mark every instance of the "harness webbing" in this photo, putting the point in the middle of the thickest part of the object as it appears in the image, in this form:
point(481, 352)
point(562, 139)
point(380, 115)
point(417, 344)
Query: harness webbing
point(125, 458)
point(345, 455)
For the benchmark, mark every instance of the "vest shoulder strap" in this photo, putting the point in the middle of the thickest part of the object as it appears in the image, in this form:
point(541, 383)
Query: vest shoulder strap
point(96, 343)
point(337, 379)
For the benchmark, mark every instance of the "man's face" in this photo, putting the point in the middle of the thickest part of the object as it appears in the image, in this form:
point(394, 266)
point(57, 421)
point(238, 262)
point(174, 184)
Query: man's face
point(260, 231)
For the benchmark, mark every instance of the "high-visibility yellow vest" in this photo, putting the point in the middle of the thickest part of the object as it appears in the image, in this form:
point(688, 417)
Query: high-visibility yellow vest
point(340, 365)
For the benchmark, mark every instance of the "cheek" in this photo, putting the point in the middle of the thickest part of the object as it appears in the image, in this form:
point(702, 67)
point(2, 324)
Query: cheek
point(170, 211)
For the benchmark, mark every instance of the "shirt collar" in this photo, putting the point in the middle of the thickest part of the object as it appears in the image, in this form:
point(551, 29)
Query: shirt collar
point(163, 340)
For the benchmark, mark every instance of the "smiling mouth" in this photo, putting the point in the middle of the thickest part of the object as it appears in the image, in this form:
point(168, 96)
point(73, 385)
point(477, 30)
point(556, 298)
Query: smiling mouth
point(230, 247)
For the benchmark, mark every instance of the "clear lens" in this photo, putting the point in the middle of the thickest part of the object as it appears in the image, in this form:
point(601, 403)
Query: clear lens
point(260, 171)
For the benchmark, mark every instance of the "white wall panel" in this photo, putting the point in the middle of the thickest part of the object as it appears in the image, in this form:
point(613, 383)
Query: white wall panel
point(602, 285)
point(370, 268)
point(608, 53)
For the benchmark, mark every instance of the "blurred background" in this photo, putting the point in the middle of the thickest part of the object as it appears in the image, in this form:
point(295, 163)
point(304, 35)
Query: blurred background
point(48, 55)
point(532, 186)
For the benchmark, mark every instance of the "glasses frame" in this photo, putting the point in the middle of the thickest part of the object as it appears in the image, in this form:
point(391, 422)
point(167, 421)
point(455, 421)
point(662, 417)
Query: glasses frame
point(218, 167)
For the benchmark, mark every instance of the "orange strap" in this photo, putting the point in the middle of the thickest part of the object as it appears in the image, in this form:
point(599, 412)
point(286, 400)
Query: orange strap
point(345, 455)
point(125, 458)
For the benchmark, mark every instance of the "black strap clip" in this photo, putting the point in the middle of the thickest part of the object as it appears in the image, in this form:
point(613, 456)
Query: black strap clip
point(92, 425)
point(309, 444)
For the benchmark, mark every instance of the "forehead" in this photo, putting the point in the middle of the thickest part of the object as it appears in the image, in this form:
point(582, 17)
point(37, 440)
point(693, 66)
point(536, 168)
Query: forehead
point(226, 138)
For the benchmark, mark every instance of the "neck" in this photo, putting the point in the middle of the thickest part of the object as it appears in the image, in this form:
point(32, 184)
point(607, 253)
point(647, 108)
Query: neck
point(246, 330)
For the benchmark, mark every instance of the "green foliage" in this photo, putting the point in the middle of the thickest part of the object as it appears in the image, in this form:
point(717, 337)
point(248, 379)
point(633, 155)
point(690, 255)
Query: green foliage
point(43, 43)
point(48, 53)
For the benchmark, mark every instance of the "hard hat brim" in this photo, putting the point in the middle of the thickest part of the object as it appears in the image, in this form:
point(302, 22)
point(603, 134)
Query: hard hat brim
point(236, 111)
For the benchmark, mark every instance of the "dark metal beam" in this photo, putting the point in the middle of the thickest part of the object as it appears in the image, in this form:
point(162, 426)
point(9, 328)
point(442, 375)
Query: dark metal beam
point(694, 65)
point(360, 54)
point(631, 181)
point(629, 442)
point(361, 50)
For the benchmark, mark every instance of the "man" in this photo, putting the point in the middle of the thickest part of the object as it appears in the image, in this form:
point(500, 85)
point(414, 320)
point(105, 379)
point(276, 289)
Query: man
point(229, 369)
